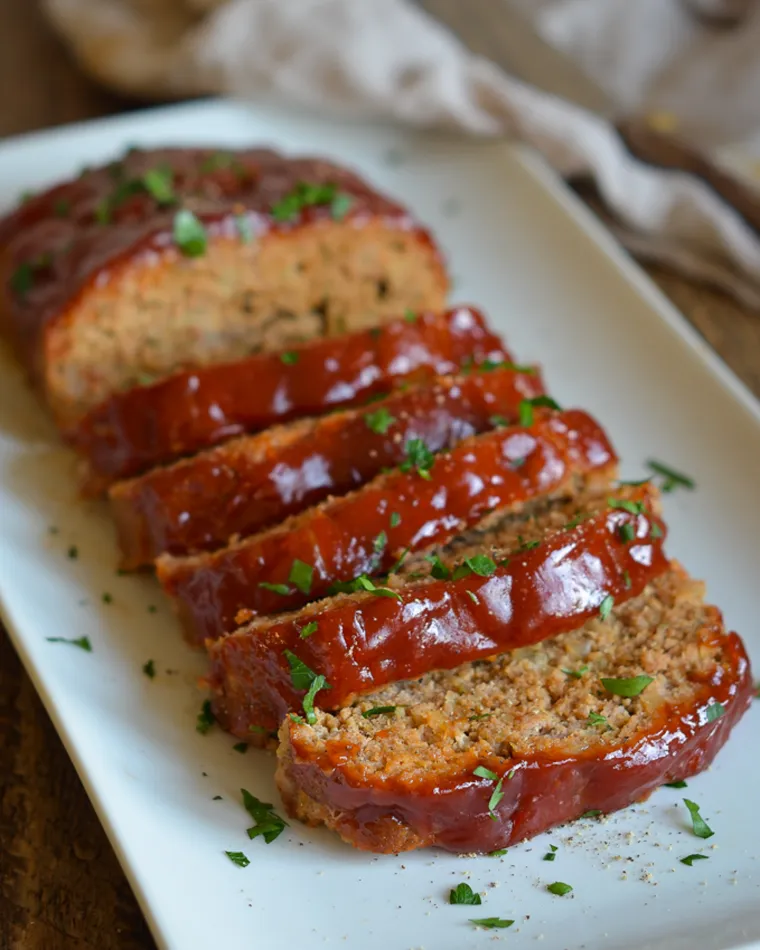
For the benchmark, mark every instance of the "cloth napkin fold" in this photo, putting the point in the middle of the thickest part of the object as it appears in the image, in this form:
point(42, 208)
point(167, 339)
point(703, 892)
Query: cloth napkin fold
point(388, 59)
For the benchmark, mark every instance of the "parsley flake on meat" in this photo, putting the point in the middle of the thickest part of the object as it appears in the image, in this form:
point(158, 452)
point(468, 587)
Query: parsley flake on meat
point(301, 575)
point(497, 794)
point(379, 421)
point(630, 687)
point(189, 234)
point(418, 456)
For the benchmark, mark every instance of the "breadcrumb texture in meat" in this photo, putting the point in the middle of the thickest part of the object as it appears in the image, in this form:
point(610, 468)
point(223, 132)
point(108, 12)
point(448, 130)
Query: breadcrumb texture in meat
point(560, 743)
point(96, 295)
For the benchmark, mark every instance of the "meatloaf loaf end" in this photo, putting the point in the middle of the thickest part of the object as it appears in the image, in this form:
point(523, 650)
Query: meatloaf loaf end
point(365, 531)
point(553, 730)
point(530, 577)
point(247, 484)
point(179, 257)
point(190, 410)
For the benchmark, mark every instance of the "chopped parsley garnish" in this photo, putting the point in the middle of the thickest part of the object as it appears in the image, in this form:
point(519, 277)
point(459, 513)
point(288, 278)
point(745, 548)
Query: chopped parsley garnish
point(498, 421)
point(591, 813)
point(679, 784)
point(206, 718)
point(304, 678)
point(576, 674)
point(301, 575)
point(527, 545)
point(362, 582)
point(378, 711)
point(714, 711)
point(479, 564)
point(61, 208)
point(491, 923)
point(149, 669)
point(479, 717)
point(626, 532)
point(655, 531)
point(624, 504)
point(240, 747)
point(159, 185)
point(152, 609)
point(289, 357)
point(473, 596)
point(671, 478)
point(268, 823)
point(439, 571)
point(498, 853)
point(216, 798)
point(627, 580)
point(282, 589)
point(633, 686)
point(82, 642)
point(379, 421)
point(294, 717)
point(463, 894)
point(418, 456)
point(106, 598)
point(305, 195)
point(318, 683)
point(257, 728)
point(699, 825)
point(497, 794)
point(238, 858)
point(22, 279)
point(596, 719)
point(488, 366)
point(558, 888)
point(218, 161)
point(306, 631)
point(395, 519)
point(244, 228)
point(380, 543)
point(527, 406)
point(691, 858)
point(606, 606)
point(551, 854)
point(410, 316)
point(189, 234)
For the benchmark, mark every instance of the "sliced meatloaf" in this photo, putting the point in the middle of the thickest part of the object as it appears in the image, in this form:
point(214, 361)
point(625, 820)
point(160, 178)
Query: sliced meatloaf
point(246, 484)
point(193, 409)
point(365, 531)
point(532, 575)
point(483, 756)
point(179, 257)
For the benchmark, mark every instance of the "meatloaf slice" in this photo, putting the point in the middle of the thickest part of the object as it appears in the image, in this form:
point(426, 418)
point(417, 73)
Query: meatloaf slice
point(534, 575)
point(553, 730)
point(246, 484)
point(365, 531)
point(180, 257)
point(191, 410)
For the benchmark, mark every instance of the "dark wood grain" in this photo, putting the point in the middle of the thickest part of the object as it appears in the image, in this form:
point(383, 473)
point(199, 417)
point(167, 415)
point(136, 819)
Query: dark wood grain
point(60, 885)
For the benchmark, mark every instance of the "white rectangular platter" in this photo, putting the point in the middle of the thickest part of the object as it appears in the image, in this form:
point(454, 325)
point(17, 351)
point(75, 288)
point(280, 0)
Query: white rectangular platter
point(561, 291)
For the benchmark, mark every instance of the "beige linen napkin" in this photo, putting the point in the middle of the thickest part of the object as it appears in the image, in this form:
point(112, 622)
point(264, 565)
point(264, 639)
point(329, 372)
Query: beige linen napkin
point(388, 59)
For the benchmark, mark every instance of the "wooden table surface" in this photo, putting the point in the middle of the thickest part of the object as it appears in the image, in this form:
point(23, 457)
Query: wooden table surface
point(61, 887)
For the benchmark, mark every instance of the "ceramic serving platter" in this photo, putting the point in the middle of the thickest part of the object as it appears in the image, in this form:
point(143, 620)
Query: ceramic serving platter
point(562, 292)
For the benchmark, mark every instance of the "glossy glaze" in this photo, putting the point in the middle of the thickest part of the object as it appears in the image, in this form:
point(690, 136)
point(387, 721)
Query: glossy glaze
point(363, 644)
point(72, 250)
point(339, 538)
point(244, 486)
point(543, 791)
point(191, 410)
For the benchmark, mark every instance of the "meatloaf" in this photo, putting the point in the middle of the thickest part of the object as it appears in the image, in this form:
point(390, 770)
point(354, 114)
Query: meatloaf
point(365, 531)
point(191, 410)
point(246, 484)
point(531, 576)
point(180, 257)
point(592, 719)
